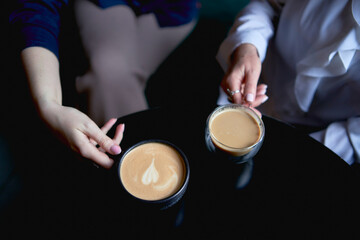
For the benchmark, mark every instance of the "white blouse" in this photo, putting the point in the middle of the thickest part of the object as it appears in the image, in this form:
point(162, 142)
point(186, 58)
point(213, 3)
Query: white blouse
point(311, 63)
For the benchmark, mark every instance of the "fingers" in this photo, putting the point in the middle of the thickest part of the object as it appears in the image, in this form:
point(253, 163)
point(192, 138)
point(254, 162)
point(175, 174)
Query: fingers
point(239, 97)
point(81, 134)
point(234, 88)
point(241, 85)
point(250, 87)
point(100, 158)
point(257, 112)
point(119, 132)
point(105, 128)
point(108, 125)
point(261, 89)
point(99, 136)
point(240, 81)
point(261, 96)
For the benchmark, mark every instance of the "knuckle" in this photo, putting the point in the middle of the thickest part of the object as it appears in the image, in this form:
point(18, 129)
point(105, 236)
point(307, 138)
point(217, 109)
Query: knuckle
point(105, 141)
point(253, 72)
point(83, 147)
point(89, 125)
point(84, 151)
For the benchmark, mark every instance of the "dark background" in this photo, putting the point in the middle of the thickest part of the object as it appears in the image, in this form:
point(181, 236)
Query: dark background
point(39, 177)
point(34, 167)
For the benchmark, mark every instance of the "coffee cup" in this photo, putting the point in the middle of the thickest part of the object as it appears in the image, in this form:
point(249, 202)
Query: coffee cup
point(154, 173)
point(235, 132)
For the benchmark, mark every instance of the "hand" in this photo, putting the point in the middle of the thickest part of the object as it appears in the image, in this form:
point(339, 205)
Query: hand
point(243, 75)
point(75, 128)
point(81, 134)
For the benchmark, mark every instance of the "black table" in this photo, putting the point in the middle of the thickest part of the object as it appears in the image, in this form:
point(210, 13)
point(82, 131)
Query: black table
point(294, 187)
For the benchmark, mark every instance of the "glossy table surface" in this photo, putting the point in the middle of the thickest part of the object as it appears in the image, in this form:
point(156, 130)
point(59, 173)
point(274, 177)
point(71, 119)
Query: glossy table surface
point(293, 188)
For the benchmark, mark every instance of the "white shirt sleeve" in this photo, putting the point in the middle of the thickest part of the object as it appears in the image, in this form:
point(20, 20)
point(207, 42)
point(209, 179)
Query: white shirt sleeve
point(343, 138)
point(253, 25)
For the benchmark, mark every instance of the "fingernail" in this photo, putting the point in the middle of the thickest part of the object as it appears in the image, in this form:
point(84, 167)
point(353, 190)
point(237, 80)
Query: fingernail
point(115, 149)
point(250, 97)
point(265, 99)
point(262, 92)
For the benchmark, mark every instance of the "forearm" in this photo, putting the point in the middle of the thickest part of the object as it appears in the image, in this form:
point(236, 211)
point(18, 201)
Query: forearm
point(253, 25)
point(76, 130)
point(42, 70)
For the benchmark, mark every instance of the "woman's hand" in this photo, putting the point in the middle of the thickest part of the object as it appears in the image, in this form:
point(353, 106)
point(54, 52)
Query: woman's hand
point(82, 135)
point(241, 79)
point(75, 128)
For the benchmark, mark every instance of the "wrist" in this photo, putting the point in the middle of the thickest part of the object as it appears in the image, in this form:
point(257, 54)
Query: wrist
point(245, 49)
point(46, 107)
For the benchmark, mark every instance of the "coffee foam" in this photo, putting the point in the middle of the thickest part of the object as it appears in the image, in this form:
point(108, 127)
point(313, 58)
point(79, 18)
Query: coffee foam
point(150, 175)
point(234, 130)
point(152, 171)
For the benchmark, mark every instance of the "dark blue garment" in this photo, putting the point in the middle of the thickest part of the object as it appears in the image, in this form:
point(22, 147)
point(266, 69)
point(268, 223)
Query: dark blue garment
point(167, 12)
point(37, 22)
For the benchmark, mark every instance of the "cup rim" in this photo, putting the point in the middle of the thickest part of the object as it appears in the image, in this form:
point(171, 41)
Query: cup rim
point(251, 112)
point(186, 165)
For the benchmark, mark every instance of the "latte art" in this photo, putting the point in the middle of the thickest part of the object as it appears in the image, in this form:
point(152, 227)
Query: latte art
point(152, 171)
point(170, 182)
point(150, 175)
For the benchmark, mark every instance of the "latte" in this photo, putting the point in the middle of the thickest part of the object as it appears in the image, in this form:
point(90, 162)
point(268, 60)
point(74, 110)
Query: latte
point(152, 171)
point(235, 129)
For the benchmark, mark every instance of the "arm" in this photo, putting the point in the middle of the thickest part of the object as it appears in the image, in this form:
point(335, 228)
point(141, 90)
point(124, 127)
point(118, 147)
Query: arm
point(35, 28)
point(241, 53)
point(253, 25)
point(36, 23)
point(72, 126)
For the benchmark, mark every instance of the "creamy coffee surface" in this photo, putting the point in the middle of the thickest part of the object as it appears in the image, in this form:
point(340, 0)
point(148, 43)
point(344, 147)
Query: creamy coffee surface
point(152, 171)
point(234, 128)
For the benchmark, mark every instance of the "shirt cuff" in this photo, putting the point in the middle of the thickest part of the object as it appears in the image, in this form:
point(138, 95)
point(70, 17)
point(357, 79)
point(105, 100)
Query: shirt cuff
point(342, 138)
